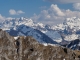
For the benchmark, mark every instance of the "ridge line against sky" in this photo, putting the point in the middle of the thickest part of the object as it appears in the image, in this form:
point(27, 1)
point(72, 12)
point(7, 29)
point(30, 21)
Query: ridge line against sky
point(45, 11)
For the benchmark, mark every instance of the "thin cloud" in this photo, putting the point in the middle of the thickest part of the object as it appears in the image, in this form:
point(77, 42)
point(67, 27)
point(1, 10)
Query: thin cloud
point(57, 11)
point(14, 12)
point(63, 1)
point(2, 17)
point(76, 6)
point(55, 15)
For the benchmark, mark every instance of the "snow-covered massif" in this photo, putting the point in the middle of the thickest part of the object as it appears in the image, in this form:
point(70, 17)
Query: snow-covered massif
point(69, 23)
point(69, 30)
point(24, 26)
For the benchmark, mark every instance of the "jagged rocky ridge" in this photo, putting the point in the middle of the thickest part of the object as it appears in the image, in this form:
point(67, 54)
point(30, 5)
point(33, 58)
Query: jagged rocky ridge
point(27, 48)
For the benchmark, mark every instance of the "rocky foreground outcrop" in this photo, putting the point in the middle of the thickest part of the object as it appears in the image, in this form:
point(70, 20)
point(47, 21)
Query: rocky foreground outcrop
point(27, 48)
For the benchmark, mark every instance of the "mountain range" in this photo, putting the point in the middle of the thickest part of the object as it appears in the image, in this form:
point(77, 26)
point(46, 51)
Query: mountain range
point(62, 34)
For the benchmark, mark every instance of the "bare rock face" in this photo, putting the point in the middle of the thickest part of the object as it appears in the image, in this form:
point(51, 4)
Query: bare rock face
point(27, 48)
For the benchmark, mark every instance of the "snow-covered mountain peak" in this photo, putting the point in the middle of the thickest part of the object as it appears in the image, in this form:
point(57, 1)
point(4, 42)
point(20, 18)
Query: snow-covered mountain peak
point(69, 29)
point(64, 31)
point(58, 27)
point(69, 23)
point(40, 25)
point(8, 24)
point(69, 19)
point(73, 19)
point(72, 23)
point(26, 27)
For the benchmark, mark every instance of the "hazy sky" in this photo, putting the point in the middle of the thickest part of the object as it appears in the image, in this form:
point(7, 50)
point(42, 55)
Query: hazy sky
point(46, 11)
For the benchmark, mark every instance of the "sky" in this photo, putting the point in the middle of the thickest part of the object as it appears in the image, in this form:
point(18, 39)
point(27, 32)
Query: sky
point(44, 11)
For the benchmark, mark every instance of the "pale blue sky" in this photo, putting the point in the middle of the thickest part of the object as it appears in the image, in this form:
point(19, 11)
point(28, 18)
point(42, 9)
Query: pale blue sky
point(28, 6)
point(53, 11)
